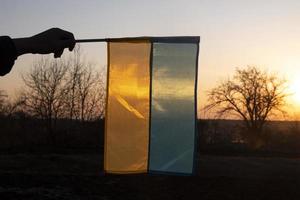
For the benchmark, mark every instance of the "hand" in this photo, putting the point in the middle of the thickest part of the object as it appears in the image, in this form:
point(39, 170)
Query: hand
point(54, 40)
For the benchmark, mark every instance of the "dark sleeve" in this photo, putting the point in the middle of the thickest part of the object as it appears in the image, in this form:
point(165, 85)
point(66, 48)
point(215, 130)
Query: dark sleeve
point(8, 54)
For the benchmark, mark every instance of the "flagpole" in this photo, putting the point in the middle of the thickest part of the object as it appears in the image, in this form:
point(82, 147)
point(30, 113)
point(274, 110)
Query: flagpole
point(171, 39)
point(91, 40)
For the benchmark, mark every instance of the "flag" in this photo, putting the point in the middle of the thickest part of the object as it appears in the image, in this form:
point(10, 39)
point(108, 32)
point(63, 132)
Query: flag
point(151, 110)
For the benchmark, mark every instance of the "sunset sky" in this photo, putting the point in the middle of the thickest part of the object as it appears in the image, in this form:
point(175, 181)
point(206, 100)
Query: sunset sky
point(234, 33)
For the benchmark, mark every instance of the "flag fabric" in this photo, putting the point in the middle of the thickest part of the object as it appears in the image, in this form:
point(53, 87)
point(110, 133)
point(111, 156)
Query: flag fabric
point(151, 110)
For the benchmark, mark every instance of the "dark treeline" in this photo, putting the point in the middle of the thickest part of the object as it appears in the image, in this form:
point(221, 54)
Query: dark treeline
point(27, 134)
point(278, 138)
point(20, 133)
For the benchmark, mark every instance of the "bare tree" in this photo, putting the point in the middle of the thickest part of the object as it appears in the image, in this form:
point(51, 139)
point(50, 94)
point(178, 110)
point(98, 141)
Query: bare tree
point(8, 106)
point(74, 68)
point(85, 85)
point(3, 101)
point(45, 89)
point(68, 88)
point(93, 98)
point(252, 95)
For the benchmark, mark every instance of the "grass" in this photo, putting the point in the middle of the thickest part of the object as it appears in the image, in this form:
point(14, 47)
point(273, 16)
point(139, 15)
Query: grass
point(78, 176)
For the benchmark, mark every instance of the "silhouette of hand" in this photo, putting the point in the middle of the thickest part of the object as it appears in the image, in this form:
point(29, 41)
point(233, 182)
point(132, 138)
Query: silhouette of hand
point(54, 40)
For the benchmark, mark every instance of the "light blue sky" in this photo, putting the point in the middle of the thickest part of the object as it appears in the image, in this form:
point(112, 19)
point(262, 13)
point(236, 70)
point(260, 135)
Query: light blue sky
point(234, 33)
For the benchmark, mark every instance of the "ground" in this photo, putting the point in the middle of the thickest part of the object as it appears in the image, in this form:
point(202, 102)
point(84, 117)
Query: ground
point(68, 176)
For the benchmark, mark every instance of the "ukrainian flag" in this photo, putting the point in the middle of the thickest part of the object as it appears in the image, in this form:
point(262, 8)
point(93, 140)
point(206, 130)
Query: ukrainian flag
point(151, 110)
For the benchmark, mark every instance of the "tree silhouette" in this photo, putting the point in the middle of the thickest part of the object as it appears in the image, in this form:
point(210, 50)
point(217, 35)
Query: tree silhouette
point(85, 97)
point(64, 89)
point(45, 89)
point(3, 97)
point(252, 95)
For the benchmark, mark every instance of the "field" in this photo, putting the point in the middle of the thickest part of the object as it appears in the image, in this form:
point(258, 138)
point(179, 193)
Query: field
point(32, 167)
point(78, 176)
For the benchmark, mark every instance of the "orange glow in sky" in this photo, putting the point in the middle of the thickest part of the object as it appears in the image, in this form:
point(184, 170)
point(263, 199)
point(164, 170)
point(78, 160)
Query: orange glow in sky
point(233, 33)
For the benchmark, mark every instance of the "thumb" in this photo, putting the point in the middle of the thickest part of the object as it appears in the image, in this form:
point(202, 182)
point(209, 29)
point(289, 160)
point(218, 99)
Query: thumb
point(67, 43)
point(58, 53)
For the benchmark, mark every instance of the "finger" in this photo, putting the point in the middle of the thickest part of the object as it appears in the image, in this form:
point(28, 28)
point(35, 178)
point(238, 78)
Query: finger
point(68, 38)
point(72, 41)
point(72, 44)
point(66, 44)
point(67, 35)
point(58, 53)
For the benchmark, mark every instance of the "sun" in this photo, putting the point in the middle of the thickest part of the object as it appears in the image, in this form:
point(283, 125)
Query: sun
point(295, 91)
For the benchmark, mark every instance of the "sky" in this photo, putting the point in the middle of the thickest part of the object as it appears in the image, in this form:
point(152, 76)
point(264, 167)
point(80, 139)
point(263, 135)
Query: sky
point(233, 33)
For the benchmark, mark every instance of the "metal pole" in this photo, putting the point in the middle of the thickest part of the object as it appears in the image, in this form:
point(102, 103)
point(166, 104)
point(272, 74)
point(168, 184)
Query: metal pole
point(91, 40)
